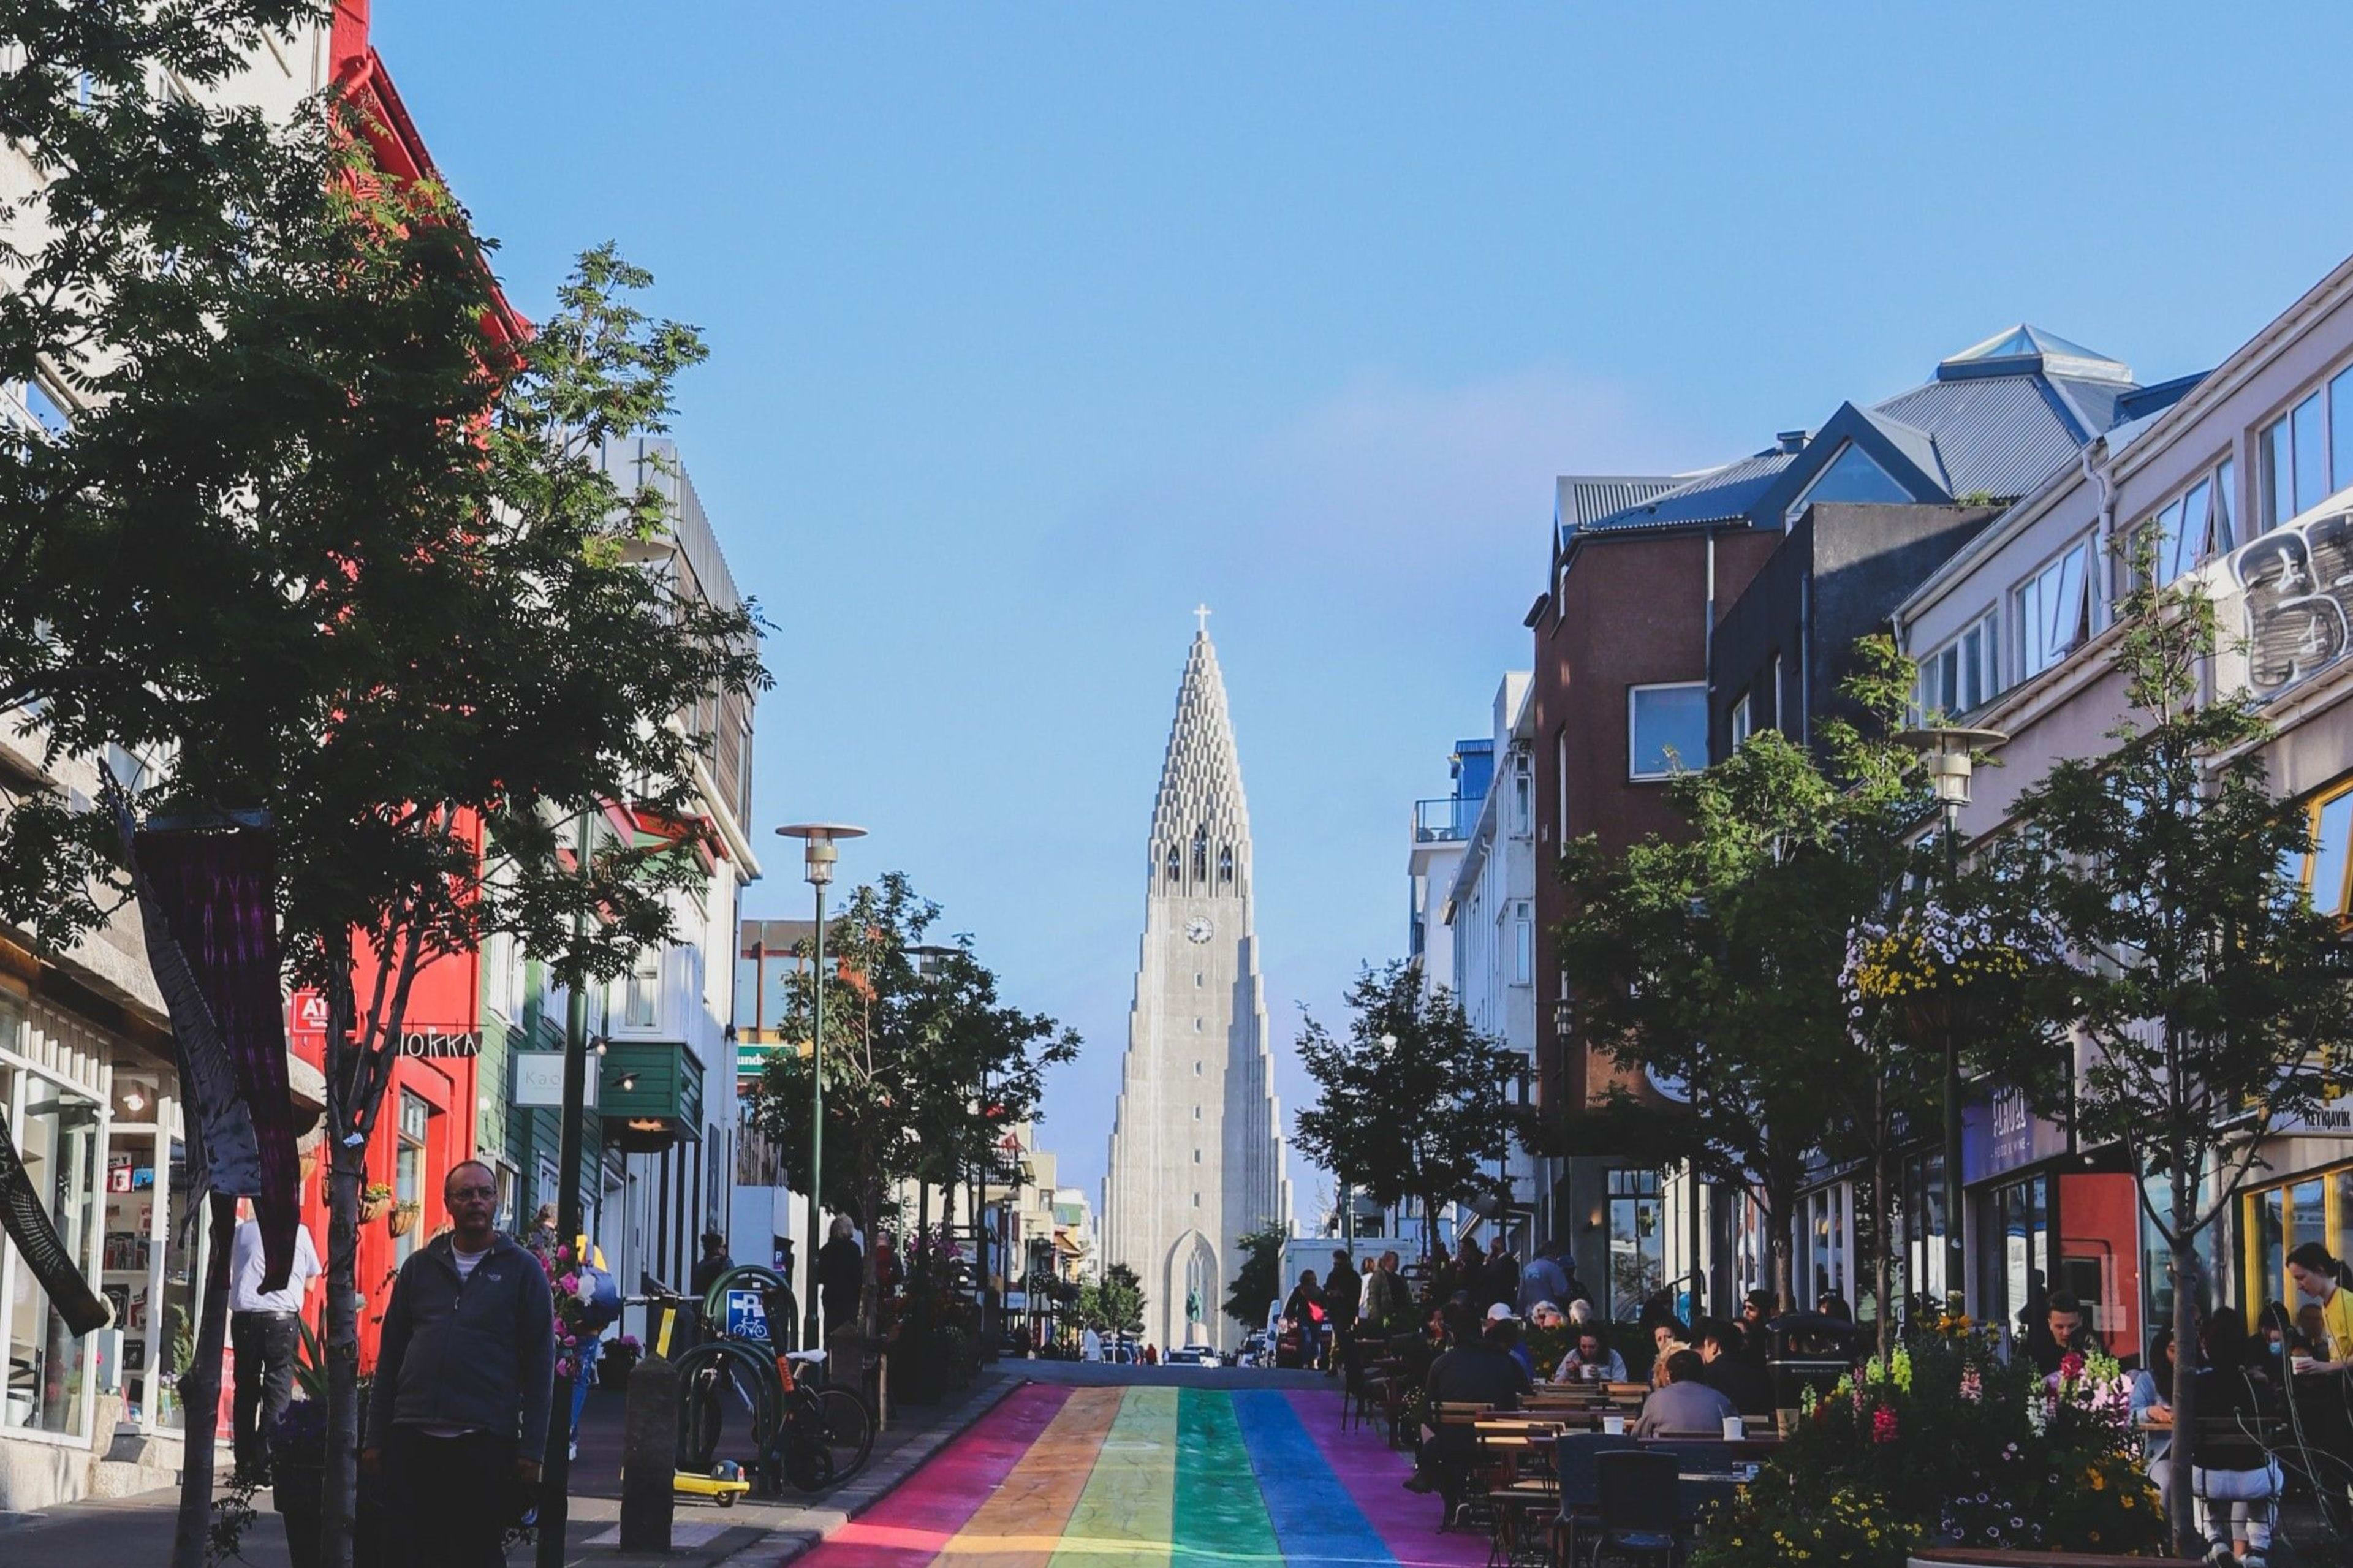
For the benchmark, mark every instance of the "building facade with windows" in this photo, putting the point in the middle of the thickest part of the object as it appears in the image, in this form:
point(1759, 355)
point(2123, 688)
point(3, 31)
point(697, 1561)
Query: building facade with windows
point(88, 1080)
point(2246, 480)
point(1489, 911)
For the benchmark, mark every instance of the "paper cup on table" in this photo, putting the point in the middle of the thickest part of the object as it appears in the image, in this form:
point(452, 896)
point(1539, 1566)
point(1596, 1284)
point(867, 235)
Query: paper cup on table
point(1785, 1421)
point(1733, 1430)
point(1614, 1425)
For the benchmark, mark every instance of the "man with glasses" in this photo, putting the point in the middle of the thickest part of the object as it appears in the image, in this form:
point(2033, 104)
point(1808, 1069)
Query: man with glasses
point(463, 1380)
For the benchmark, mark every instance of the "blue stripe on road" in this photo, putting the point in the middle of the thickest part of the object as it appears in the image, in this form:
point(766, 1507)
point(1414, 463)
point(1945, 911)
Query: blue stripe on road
point(1314, 1518)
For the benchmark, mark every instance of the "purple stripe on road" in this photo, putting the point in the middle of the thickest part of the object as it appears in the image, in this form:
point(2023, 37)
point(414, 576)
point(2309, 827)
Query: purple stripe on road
point(1375, 1474)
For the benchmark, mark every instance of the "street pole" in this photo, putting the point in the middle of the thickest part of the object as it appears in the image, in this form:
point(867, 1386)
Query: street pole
point(811, 1336)
point(556, 1465)
point(1955, 1262)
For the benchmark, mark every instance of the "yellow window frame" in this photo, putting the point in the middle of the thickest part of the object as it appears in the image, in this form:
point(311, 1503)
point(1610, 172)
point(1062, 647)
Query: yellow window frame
point(2333, 1216)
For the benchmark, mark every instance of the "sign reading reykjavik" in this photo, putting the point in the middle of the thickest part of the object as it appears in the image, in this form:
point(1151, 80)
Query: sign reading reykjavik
point(2298, 583)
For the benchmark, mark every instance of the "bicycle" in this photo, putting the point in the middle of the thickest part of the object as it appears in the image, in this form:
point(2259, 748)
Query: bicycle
point(804, 1432)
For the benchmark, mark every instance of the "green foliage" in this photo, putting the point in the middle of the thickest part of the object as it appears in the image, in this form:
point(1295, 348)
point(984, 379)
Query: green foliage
point(1946, 1441)
point(1113, 1304)
point(1419, 1120)
point(924, 1067)
point(1259, 1281)
point(1713, 957)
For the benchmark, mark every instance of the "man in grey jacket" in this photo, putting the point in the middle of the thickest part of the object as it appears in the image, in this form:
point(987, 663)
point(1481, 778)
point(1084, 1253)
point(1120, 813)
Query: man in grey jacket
point(463, 1377)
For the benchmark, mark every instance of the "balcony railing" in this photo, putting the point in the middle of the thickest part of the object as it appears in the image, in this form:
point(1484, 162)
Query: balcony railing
point(1443, 821)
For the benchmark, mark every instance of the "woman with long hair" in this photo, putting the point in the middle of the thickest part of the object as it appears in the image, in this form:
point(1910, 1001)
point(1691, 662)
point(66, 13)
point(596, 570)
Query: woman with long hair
point(2319, 1275)
point(2229, 1459)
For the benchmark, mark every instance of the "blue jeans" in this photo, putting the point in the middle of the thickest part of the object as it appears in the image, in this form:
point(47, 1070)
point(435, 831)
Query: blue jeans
point(589, 1352)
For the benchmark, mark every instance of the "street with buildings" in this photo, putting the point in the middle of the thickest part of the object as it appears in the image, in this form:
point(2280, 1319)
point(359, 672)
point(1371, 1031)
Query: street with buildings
point(1860, 1076)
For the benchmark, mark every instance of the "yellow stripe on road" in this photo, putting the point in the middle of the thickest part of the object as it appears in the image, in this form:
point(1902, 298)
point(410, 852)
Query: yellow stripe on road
point(1021, 1523)
point(1127, 1515)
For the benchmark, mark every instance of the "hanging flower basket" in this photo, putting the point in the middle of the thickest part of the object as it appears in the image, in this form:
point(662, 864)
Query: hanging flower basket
point(375, 1202)
point(403, 1218)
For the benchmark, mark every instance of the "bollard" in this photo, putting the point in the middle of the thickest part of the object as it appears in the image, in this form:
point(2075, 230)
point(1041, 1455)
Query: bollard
point(649, 1455)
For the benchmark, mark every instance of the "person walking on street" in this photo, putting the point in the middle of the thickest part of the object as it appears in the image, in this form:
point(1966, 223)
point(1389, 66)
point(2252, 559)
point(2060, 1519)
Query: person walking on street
point(1543, 1281)
point(464, 1376)
point(1499, 1277)
point(1342, 1297)
point(1388, 1303)
point(840, 1276)
point(713, 1263)
point(1306, 1311)
point(263, 1326)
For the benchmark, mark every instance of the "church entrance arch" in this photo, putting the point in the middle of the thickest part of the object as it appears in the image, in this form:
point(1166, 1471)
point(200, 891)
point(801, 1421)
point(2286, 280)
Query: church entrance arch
point(1191, 1292)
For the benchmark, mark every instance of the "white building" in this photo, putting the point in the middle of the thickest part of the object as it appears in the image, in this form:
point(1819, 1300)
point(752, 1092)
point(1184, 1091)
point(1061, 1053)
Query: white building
point(1489, 910)
point(1196, 1146)
point(87, 1079)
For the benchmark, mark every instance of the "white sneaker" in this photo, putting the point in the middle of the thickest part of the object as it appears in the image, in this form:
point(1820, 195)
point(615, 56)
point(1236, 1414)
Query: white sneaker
point(576, 1448)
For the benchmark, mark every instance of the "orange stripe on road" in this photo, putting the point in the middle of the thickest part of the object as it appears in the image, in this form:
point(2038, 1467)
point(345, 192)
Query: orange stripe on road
point(1021, 1523)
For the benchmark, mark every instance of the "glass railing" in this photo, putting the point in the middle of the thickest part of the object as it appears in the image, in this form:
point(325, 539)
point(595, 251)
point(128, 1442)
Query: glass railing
point(1445, 820)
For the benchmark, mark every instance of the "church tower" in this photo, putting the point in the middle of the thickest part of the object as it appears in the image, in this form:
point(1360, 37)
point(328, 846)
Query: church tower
point(1196, 1151)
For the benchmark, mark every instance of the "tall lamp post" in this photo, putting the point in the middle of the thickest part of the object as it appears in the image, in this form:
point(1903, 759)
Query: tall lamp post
point(817, 855)
point(1949, 754)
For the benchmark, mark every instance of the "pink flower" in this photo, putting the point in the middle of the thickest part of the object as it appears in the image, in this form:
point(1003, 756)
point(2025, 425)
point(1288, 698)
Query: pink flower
point(1972, 1385)
point(2071, 1367)
point(1883, 1424)
point(571, 1282)
point(564, 1254)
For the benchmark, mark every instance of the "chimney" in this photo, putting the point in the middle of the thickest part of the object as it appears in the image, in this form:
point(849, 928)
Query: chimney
point(1792, 440)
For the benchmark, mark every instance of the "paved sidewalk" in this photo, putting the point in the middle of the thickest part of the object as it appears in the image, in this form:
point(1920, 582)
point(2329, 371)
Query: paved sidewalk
point(138, 1530)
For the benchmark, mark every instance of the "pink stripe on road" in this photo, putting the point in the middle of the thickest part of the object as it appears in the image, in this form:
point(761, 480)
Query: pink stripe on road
point(1375, 1476)
point(916, 1520)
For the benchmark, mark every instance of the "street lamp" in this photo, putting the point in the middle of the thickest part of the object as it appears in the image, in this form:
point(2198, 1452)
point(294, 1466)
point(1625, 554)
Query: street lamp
point(1949, 754)
point(817, 857)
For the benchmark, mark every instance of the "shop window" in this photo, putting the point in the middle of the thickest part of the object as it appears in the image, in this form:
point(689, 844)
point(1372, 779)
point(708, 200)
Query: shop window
point(1666, 729)
point(2314, 1205)
point(57, 1135)
point(1637, 1241)
point(2015, 1266)
point(2325, 868)
point(408, 1169)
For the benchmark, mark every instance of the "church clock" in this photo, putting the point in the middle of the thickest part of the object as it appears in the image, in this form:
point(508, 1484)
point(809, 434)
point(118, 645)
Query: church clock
point(1198, 929)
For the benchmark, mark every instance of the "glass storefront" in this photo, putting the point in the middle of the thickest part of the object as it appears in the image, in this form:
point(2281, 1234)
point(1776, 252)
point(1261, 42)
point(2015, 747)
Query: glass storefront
point(2275, 1220)
point(1923, 1222)
point(2014, 1264)
point(1637, 1248)
point(50, 1085)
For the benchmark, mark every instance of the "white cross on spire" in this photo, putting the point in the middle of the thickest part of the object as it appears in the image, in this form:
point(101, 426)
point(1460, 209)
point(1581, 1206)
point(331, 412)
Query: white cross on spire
point(1202, 614)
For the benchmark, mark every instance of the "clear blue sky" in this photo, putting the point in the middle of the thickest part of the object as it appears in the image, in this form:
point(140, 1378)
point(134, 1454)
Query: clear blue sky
point(1032, 325)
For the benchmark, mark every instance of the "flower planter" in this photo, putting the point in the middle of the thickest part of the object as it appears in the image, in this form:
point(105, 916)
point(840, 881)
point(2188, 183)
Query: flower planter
point(403, 1218)
point(1989, 1557)
point(374, 1209)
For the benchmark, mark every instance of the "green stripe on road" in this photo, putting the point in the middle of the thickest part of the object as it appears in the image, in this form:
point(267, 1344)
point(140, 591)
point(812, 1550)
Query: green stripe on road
point(1221, 1517)
point(1126, 1515)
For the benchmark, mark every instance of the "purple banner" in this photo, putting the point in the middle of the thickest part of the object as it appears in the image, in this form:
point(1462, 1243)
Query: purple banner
point(218, 893)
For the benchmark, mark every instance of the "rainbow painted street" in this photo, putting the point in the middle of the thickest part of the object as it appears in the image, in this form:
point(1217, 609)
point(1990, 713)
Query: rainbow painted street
point(1060, 1476)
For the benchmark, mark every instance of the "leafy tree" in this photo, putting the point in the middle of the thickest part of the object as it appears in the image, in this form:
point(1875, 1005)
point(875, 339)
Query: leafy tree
point(334, 536)
point(1410, 1104)
point(2210, 999)
point(912, 1034)
point(1715, 959)
point(1259, 1281)
point(1120, 1298)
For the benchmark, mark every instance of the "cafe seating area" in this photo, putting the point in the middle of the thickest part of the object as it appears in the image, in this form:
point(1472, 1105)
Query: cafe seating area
point(1560, 1481)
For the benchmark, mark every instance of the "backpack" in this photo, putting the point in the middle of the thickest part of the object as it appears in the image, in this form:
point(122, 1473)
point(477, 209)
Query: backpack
point(600, 1296)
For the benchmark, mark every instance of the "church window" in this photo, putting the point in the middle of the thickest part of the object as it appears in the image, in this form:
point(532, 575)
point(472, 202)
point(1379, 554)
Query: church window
point(1197, 1069)
point(1196, 1200)
point(1201, 853)
point(1197, 981)
point(1197, 1156)
point(1225, 864)
point(1174, 865)
point(1196, 1026)
point(1196, 1113)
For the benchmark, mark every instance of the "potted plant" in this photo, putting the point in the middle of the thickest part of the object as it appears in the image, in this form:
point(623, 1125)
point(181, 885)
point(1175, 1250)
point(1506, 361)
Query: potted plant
point(298, 1465)
point(375, 1199)
point(404, 1218)
point(617, 1359)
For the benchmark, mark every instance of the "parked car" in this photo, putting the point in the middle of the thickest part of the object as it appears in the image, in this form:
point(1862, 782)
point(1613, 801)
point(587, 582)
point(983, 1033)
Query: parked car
point(1255, 1350)
point(1191, 1355)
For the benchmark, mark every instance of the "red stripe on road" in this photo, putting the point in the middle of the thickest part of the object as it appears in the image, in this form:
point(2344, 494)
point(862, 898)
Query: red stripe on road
point(913, 1523)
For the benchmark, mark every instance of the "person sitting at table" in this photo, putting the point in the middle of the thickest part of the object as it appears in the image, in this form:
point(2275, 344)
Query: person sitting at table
point(1668, 1335)
point(2152, 1399)
point(1590, 1358)
point(1755, 1337)
point(1748, 1385)
point(2062, 1333)
point(1502, 1329)
point(1479, 1370)
point(2230, 1460)
point(1684, 1407)
point(1545, 1315)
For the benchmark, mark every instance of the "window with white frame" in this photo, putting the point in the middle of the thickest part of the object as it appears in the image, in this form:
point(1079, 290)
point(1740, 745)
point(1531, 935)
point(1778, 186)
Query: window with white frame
point(1743, 723)
point(2306, 454)
point(1666, 729)
point(1780, 699)
point(2054, 610)
point(1961, 674)
point(1524, 943)
point(1523, 792)
point(641, 990)
point(2193, 525)
point(1560, 780)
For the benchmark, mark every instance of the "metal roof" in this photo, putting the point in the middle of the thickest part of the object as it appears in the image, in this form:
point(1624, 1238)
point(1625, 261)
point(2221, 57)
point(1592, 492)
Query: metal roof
point(1719, 495)
point(1580, 499)
point(1995, 435)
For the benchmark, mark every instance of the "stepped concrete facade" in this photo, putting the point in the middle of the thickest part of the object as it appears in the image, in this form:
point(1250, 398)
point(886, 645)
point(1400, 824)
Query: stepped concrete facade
point(1196, 1146)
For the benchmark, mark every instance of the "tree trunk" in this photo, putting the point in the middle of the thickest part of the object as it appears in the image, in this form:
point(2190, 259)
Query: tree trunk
point(1784, 1286)
point(2178, 1515)
point(1882, 1237)
point(347, 1171)
point(200, 1394)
